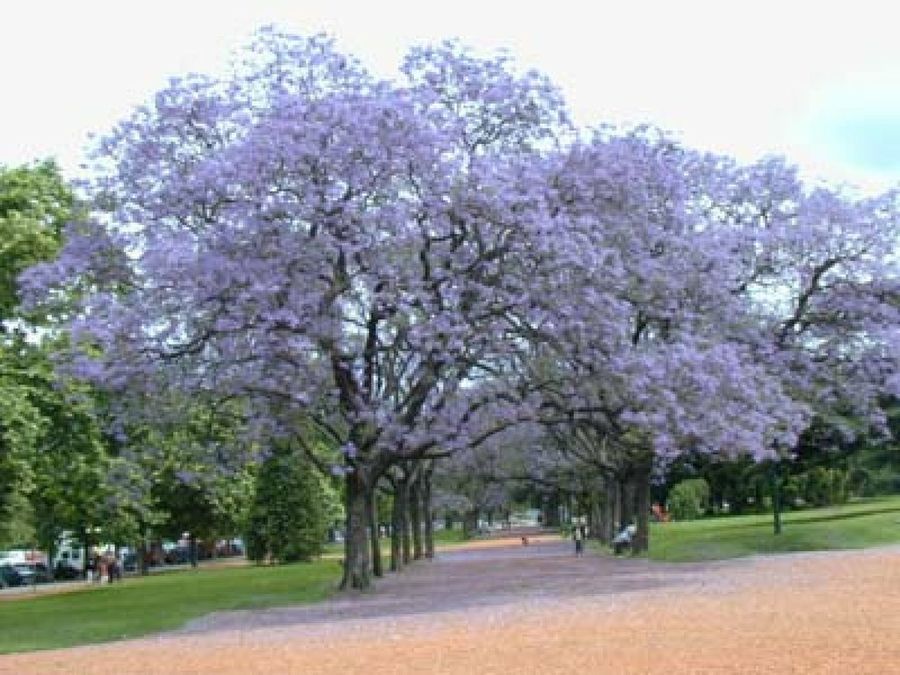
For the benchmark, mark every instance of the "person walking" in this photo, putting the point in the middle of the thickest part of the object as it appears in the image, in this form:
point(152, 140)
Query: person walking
point(578, 537)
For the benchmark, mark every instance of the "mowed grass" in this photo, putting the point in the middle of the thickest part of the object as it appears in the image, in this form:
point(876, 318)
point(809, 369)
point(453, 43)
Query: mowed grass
point(442, 538)
point(142, 605)
point(139, 606)
point(449, 537)
point(869, 522)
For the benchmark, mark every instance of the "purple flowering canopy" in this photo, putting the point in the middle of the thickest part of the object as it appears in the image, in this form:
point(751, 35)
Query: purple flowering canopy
point(413, 267)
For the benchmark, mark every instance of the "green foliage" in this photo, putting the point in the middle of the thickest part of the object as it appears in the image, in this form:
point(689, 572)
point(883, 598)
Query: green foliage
point(858, 480)
point(824, 487)
point(689, 499)
point(72, 467)
point(870, 522)
point(875, 470)
point(333, 500)
point(884, 483)
point(288, 519)
point(817, 486)
point(163, 484)
point(791, 490)
point(35, 203)
point(160, 602)
point(20, 427)
point(35, 431)
point(24, 384)
point(17, 527)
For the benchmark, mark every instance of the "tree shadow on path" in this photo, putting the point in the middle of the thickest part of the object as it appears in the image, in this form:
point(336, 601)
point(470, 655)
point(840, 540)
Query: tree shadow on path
point(467, 578)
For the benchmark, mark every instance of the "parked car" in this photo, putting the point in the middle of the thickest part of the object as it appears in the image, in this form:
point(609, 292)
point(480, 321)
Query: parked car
point(63, 572)
point(32, 573)
point(9, 577)
point(180, 555)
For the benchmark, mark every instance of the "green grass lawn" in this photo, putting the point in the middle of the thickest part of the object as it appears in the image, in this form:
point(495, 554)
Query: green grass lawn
point(441, 538)
point(143, 605)
point(160, 602)
point(869, 522)
point(445, 537)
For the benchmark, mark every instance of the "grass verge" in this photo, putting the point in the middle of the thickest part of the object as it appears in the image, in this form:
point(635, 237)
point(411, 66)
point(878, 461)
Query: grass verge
point(442, 537)
point(145, 605)
point(869, 522)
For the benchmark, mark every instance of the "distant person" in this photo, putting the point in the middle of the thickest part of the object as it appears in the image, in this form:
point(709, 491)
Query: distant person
point(95, 568)
point(114, 568)
point(624, 539)
point(578, 537)
point(103, 567)
point(524, 541)
point(90, 566)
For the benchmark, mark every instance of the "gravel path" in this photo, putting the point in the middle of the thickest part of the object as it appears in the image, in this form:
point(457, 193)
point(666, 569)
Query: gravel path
point(501, 607)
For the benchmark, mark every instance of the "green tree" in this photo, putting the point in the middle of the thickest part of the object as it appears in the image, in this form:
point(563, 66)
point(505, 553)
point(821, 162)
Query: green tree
point(288, 518)
point(21, 427)
point(35, 204)
point(52, 456)
point(689, 499)
point(163, 485)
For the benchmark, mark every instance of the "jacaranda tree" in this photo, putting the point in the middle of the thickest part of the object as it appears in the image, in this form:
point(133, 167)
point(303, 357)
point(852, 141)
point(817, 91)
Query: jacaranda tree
point(407, 269)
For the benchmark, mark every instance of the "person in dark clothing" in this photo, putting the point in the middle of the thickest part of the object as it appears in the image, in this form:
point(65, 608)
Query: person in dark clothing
point(578, 537)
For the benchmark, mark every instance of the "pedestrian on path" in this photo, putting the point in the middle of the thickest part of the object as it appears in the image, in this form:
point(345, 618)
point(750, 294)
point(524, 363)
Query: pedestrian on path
point(578, 536)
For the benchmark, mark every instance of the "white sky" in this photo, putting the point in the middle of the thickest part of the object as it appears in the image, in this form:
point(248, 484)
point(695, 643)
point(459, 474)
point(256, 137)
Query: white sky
point(817, 82)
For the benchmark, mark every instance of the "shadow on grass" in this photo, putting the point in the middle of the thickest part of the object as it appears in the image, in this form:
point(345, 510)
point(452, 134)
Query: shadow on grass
point(838, 516)
point(798, 518)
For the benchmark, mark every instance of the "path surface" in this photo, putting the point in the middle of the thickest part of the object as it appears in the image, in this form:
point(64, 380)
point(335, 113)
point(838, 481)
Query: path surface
point(502, 607)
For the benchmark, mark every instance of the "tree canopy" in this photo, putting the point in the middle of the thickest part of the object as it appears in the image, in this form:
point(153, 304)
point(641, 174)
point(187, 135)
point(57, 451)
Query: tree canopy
point(414, 268)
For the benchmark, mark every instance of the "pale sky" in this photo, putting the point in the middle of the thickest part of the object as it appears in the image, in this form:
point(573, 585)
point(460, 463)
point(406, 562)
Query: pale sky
point(817, 82)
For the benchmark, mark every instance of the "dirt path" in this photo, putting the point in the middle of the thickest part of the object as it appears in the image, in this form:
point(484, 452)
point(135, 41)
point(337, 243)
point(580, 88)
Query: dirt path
point(506, 608)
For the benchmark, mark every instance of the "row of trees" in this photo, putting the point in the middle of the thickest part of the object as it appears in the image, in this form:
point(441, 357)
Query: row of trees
point(69, 465)
point(828, 466)
point(66, 463)
point(441, 271)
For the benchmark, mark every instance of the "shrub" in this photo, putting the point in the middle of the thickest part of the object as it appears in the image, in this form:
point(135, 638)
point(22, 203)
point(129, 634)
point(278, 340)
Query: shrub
point(858, 481)
point(817, 486)
point(838, 492)
point(689, 499)
point(884, 483)
point(791, 491)
point(287, 520)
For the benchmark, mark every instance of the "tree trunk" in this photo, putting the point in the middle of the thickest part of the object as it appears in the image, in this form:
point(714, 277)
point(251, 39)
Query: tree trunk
point(626, 501)
point(776, 500)
point(372, 517)
point(51, 556)
point(615, 496)
point(551, 510)
point(140, 553)
point(402, 495)
point(608, 512)
point(470, 522)
point(428, 516)
point(415, 518)
point(356, 538)
point(396, 531)
point(641, 542)
point(759, 497)
point(595, 516)
point(87, 552)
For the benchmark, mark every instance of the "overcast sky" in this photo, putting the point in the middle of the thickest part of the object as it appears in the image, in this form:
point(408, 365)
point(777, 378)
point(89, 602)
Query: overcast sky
point(817, 82)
